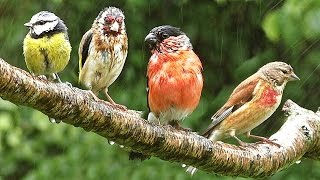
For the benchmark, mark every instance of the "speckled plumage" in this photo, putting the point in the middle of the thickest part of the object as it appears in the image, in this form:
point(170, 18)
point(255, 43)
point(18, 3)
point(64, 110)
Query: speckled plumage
point(103, 51)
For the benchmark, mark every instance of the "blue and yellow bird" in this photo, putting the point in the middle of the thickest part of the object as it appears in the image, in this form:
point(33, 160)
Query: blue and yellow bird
point(46, 47)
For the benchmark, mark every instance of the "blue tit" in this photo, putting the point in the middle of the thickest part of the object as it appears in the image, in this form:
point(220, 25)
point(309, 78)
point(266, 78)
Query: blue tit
point(103, 52)
point(46, 47)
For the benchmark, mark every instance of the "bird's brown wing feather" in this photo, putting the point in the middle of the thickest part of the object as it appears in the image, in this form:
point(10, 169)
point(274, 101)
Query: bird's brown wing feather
point(241, 94)
point(84, 48)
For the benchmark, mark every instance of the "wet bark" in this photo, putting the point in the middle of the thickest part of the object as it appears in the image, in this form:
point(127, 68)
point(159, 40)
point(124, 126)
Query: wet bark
point(299, 136)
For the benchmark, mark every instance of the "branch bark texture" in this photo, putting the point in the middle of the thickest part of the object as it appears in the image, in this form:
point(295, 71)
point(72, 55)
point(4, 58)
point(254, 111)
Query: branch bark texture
point(299, 136)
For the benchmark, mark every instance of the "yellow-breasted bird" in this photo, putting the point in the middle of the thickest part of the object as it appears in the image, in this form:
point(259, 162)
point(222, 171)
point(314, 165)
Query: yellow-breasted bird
point(252, 102)
point(103, 51)
point(46, 47)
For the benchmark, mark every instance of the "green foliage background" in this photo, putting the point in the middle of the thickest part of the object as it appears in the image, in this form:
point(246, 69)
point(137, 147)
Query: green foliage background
point(232, 38)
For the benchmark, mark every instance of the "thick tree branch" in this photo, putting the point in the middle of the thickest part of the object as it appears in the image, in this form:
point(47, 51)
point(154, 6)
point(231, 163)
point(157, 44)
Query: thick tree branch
point(298, 137)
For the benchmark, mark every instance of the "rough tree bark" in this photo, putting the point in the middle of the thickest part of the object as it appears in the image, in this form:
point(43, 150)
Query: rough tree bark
point(299, 136)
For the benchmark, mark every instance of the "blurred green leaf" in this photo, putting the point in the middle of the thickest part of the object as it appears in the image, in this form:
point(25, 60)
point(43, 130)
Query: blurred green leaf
point(311, 24)
point(271, 26)
point(14, 137)
point(5, 122)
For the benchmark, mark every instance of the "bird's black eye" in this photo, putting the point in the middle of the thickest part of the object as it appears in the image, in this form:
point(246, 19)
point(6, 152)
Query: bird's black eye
point(42, 22)
point(284, 71)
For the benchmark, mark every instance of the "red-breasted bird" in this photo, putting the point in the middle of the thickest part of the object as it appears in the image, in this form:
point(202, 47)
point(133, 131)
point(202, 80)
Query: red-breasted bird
point(252, 102)
point(174, 76)
point(103, 51)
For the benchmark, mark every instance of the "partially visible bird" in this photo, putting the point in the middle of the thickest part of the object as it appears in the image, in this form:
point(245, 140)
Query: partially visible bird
point(252, 102)
point(46, 47)
point(103, 51)
point(174, 76)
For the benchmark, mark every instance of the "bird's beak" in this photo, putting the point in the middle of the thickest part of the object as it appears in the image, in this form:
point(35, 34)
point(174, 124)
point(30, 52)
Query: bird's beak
point(115, 27)
point(150, 39)
point(293, 77)
point(28, 24)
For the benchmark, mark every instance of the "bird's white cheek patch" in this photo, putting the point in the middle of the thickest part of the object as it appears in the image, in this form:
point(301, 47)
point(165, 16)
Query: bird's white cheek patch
point(38, 29)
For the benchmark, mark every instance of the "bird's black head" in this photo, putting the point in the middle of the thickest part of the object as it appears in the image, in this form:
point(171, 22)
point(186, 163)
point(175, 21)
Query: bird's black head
point(160, 33)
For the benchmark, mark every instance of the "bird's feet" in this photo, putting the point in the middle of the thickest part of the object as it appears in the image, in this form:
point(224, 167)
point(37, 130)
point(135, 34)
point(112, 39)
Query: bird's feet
point(263, 139)
point(244, 145)
point(56, 78)
point(68, 84)
point(119, 106)
point(176, 125)
point(42, 77)
point(270, 141)
point(92, 95)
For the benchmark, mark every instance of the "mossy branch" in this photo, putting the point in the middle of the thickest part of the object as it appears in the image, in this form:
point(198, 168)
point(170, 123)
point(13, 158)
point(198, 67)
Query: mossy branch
point(298, 137)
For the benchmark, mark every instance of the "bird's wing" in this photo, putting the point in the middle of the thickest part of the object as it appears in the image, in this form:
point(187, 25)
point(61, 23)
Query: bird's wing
point(147, 89)
point(242, 94)
point(84, 48)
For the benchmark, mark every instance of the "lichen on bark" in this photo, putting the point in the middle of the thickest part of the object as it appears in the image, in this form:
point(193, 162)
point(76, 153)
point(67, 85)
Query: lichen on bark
point(299, 136)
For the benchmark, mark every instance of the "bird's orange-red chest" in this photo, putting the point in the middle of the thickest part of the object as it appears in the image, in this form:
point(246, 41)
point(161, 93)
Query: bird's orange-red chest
point(269, 97)
point(174, 81)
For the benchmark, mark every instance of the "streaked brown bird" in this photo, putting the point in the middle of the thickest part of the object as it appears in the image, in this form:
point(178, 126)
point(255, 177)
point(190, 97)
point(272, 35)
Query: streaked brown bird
point(252, 102)
point(103, 51)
